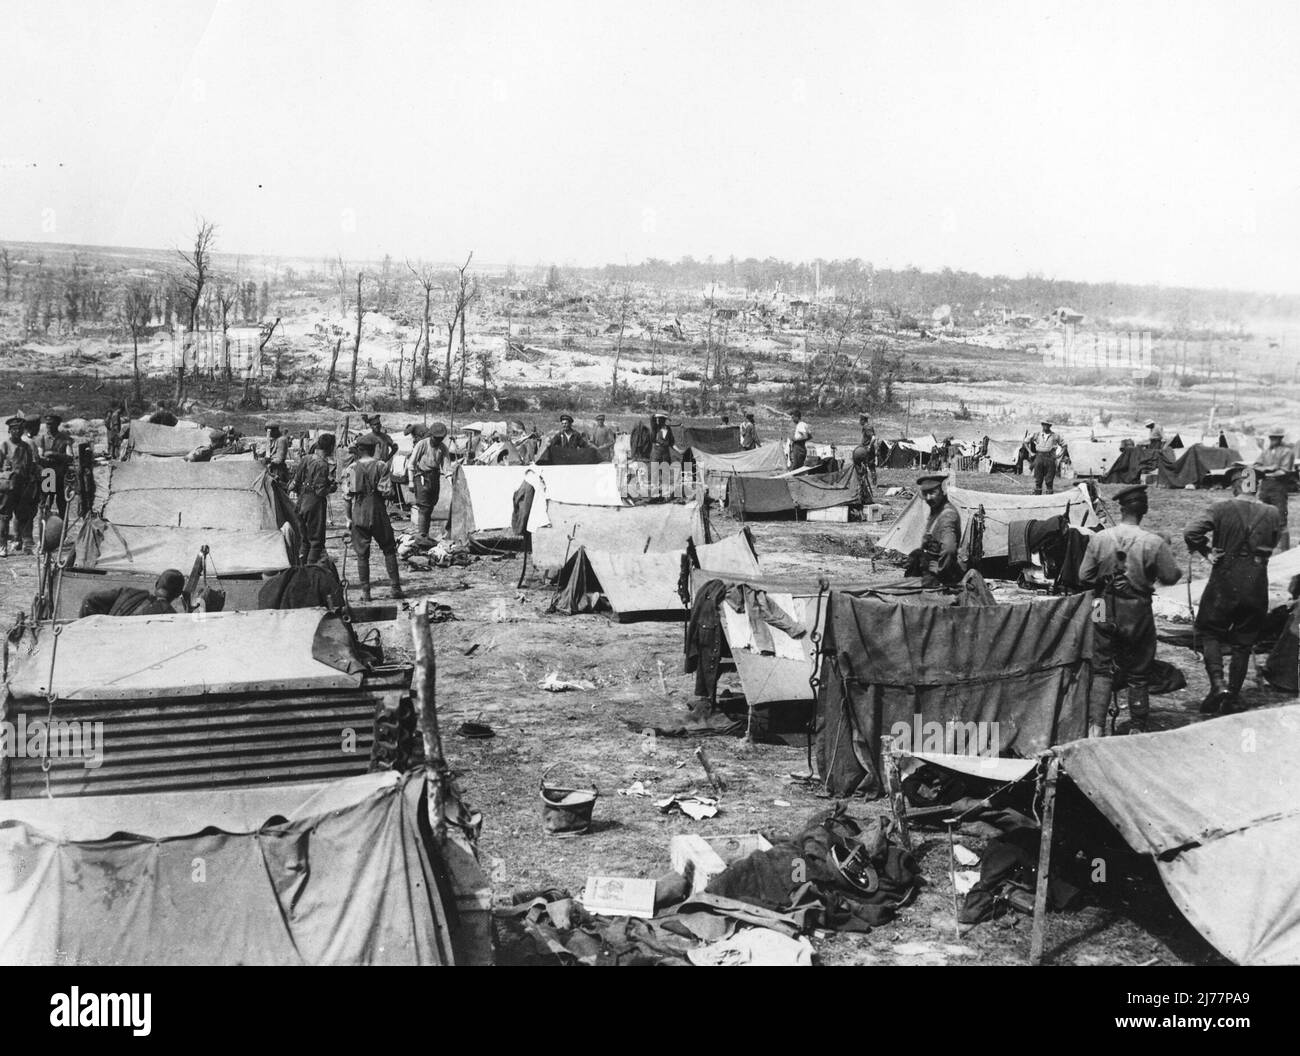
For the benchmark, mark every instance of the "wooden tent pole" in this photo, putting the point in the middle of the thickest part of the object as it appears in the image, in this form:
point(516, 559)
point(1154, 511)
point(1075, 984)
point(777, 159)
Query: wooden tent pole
point(425, 700)
point(1039, 933)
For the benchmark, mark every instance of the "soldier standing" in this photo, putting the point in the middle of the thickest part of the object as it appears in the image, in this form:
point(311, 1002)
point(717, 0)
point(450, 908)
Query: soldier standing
point(1122, 566)
point(603, 438)
point(1235, 602)
point(368, 485)
point(1273, 470)
point(1044, 447)
point(427, 458)
point(17, 485)
point(314, 482)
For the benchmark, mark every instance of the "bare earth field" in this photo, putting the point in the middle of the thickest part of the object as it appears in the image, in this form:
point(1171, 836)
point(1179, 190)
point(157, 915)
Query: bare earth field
point(502, 643)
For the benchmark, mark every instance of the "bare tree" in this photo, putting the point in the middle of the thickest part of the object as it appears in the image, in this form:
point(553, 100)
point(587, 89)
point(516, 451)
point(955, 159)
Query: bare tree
point(192, 281)
point(341, 281)
point(356, 345)
point(334, 359)
point(227, 297)
point(137, 311)
point(427, 279)
point(7, 266)
point(268, 329)
point(465, 292)
point(618, 349)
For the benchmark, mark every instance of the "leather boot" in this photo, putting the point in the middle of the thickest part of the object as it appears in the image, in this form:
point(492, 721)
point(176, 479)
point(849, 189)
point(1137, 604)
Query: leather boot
point(1214, 668)
point(363, 576)
point(422, 522)
point(1139, 709)
point(1237, 670)
point(394, 581)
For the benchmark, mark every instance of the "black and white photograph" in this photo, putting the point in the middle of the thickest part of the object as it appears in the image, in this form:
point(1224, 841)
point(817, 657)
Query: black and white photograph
point(686, 484)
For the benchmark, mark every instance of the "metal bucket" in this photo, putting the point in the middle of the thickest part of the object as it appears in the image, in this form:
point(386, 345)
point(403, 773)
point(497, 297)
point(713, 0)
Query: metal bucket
point(566, 810)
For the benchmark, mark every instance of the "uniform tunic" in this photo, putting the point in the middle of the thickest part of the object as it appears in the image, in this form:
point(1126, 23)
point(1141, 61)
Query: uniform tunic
point(1044, 446)
point(19, 461)
point(1235, 601)
point(748, 436)
point(602, 439)
point(366, 477)
point(426, 471)
point(939, 545)
point(1274, 468)
point(314, 482)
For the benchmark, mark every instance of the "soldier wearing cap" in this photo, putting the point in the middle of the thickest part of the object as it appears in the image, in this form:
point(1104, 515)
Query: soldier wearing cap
point(603, 438)
point(425, 466)
point(277, 453)
point(314, 482)
point(132, 601)
point(1044, 447)
point(799, 441)
point(1155, 434)
point(568, 436)
point(1274, 470)
point(937, 561)
point(18, 482)
point(1122, 566)
point(868, 445)
point(53, 456)
point(368, 485)
point(385, 446)
point(1234, 604)
point(748, 433)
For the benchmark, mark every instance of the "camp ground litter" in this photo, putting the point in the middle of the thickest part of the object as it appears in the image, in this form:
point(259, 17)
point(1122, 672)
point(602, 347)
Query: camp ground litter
point(1222, 840)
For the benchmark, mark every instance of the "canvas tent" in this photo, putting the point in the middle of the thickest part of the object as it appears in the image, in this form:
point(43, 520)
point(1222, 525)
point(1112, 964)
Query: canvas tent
point(173, 493)
point(766, 460)
point(639, 586)
point(167, 441)
point(1024, 667)
point(1000, 511)
point(711, 439)
point(339, 873)
point(790, 493)
point(652, 528)
point(1092, 459)
point(482, 501)
point(201, 700)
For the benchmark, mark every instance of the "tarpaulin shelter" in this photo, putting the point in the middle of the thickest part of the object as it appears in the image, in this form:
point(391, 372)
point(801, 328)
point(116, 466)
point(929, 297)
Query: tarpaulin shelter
point(788, 494)
point(711, 439)
point(482, 501)
point(1003, 454)
point(1195, 466)
point(1221, 833)
point(1023, 667)
point(1092, 459)
point(159, 513)
point(904, 454)
point(1000, 511)
point(341, 873)
point(199, 700)
point(1135, 462)
point(640, 586)
point(167, 441)
point(652, 528)
point(766, 460)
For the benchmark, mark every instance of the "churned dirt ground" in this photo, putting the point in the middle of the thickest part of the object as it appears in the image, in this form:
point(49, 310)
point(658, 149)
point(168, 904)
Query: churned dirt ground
point(502, 644)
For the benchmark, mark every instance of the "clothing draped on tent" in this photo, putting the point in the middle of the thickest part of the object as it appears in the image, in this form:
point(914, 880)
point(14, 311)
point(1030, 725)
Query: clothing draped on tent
point(809, 491)
point(1014, 674)
point(483, 496)
point(714, 440)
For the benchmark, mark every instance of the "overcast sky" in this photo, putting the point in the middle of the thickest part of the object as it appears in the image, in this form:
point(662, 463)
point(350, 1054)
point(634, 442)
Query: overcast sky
point(1132, 141)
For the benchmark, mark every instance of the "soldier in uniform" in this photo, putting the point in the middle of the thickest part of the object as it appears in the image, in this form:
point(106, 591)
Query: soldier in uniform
point(314, 482)
point(748, 433)
point(869, 444)
point(18, 475)
point(425, 468)
point(1235, 602)
point(385, 446)
point(602, 439)
point(132, 601)
point(368, 484)
point(1273, 471)
point(277, 453)
point(568, 436)
point(1044, 447)
point(54, 456)
point(1122, 566)
point(799, 442)
point(937, 561)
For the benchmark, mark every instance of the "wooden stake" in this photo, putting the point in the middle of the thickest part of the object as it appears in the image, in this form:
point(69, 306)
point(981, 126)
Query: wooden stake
point(435, 764)
point(1039, 934)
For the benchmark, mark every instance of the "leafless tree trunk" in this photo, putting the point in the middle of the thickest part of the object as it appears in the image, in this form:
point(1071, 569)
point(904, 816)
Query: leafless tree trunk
point(334, 358)
point(427, 279)
point(137, 311)
point(356, 345)
point(466, 291)
point(618, 349)
point(7, 266)
point(198, 268)
point(226, 300)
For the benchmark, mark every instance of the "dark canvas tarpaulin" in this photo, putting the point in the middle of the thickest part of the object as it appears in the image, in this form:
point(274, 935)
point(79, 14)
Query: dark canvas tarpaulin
point(1195, 464)
point(1217, 805)
point(809, 491)
point(303, 874)
point(1025, 667)
point(714, 440)
point(1133, 462)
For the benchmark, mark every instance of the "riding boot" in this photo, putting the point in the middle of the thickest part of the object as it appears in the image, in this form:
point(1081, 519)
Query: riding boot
point(422, 521)
point(1237, 669)
point(1213, 653)
point(1139, 709)
point(363, 575)
point(390, 565)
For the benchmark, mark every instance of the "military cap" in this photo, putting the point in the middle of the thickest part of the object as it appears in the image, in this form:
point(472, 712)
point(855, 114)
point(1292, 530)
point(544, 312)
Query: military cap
point(55, 419)
point(1046, 423)
point(600, 417)
point(567, 418)
point(365, 443)
point(32, 419)
point(1277, 430)
point(931, 481)
point(17, 419)
point(1150, 422)
point(438, 430)
point(273, 425)
point(1132, 493)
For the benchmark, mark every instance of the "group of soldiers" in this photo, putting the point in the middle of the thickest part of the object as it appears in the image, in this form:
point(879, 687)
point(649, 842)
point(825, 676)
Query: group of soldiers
point(1124, 564)
point(35, 459)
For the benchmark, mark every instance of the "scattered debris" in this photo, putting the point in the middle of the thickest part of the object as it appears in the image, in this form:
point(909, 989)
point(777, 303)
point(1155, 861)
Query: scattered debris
point(696, 807)
point(552, 683)
point(619, 896)
point(636, 788)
